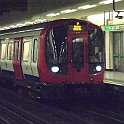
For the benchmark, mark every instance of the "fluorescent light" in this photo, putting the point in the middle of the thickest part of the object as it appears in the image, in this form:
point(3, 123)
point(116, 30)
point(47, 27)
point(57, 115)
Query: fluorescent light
point(39, 21)
point(86, 6)
point(6, 28)
point(53, 14)
point(20, 25)
point(108, 1)
point(12, 26)
point(68, 11)
point(1, 28)
point(28, 23)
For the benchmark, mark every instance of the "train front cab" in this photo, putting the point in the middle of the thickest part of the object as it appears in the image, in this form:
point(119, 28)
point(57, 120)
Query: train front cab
point(74, 55)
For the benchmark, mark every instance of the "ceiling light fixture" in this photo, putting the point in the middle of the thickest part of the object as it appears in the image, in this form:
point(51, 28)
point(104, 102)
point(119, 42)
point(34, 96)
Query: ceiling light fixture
point(12, 26)
point(108, 1)
point(87, 6)
point(28, 23)
point(53, 14)
point(6, 28)
point(68, 11)
point(20, 25)
point(36, 21)
point(1, 29)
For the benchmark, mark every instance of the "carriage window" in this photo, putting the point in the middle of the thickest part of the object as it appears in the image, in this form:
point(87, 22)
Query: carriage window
point(10, 51)
point(3, 51)
point(96, 45)
point(26, 51)
point(78, 53)
point(35, 49)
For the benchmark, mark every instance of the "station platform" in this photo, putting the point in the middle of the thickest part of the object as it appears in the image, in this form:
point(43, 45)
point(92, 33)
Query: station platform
point(114, 77)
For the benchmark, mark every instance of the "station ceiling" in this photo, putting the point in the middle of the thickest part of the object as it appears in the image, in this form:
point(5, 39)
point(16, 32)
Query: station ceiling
point(43, 8)
point(45, 5)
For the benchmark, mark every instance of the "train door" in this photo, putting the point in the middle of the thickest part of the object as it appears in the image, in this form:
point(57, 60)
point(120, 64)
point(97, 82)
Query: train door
point(17, 58)
point(26, 57)
point(34, 57)
point(118, 51)
point(77, 67)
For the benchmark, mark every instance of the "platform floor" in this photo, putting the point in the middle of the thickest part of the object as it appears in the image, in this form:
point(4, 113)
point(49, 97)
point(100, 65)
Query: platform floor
point(114, 77)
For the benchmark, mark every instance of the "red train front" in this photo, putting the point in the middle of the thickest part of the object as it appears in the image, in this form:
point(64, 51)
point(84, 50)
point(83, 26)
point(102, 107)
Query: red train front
point(71, 52)
point(61, 53)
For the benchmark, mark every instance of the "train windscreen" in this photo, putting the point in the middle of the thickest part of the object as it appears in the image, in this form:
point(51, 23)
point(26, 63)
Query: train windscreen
point(56, 49)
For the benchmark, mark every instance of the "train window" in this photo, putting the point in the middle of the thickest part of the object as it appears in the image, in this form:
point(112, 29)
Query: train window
point(35, 49)
point(56, 48)
point(26, 51)
point(3, 51)
point(78, 53)
point(96, 45)
point(10, 51)
point(17, 50)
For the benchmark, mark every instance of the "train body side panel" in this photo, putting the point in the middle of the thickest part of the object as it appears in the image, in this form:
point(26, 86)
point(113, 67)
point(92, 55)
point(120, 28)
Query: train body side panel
point(7, 47)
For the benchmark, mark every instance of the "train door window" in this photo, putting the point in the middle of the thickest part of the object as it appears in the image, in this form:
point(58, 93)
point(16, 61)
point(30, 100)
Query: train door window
point(3, 51)
point(17, 50)
point(56, 48)
point(10, 51)
point(35, 49)
point(78, 52)
point(26, 51)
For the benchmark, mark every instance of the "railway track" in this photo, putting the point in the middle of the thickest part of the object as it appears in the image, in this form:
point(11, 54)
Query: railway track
point(94, 114)
point(11, 114)
point(34, 112)
point(4, 120)
point(40, 112)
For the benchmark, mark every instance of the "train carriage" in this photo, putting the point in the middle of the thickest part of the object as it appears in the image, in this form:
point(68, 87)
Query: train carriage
point(53, 56)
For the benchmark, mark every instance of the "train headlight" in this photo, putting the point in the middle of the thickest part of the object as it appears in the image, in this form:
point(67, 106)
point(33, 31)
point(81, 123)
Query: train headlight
point(98, 68)
point(55, 69)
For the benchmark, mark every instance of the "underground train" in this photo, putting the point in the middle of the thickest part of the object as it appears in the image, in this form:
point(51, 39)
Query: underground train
point(52, 58)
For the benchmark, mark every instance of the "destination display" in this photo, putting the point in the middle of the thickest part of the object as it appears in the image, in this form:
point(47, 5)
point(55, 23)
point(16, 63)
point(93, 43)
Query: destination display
point(77, 26)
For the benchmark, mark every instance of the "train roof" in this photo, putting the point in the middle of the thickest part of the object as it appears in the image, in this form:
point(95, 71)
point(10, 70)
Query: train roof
point(24, 28)
point(38, 26)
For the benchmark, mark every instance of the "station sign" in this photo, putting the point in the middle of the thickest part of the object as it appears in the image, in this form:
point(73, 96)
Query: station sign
point(111, 28)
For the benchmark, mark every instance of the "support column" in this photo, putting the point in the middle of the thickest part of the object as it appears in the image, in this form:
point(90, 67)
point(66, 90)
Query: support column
point(109, 50)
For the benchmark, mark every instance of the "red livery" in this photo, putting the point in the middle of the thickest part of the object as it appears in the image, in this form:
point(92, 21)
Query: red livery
point(53, 57)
